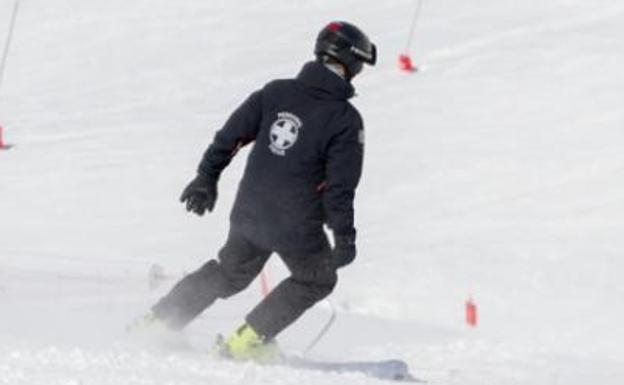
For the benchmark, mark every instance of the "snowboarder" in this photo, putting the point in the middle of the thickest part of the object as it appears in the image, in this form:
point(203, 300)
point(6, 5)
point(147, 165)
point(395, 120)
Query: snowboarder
point(300, 175)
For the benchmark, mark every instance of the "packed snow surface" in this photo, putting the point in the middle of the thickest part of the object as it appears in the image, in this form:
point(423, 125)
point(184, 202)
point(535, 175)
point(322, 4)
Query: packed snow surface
point(496, 171)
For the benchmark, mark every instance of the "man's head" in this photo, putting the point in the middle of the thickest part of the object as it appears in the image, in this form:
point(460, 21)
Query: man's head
point(344, 43)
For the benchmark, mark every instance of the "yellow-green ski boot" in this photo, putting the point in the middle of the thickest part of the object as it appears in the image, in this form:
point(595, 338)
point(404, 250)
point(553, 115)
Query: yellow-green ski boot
point(247, 345)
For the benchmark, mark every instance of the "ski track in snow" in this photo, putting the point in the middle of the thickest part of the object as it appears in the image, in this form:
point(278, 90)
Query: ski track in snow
point(495, 171)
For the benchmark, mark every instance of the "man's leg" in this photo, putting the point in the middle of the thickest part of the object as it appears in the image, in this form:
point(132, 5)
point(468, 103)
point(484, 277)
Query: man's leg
point(312, 279)
point(239, 263)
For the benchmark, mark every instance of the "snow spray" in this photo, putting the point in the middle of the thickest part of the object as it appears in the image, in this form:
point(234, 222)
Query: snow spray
point(471, 313)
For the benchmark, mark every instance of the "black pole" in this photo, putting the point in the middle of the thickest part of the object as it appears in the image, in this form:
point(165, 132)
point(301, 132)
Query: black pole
point(323, 331)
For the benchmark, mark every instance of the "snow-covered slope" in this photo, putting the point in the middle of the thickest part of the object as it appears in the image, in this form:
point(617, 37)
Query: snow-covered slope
point(495, 172)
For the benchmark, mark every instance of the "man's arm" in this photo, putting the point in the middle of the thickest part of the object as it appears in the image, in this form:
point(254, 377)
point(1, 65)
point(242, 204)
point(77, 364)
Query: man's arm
point(240, 129)
point(343, 171)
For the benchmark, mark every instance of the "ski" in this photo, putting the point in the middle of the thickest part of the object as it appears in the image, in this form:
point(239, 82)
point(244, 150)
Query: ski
point(394, 370)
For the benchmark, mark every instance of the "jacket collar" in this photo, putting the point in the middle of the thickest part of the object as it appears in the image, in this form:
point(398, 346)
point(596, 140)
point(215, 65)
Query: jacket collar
point(325, 84)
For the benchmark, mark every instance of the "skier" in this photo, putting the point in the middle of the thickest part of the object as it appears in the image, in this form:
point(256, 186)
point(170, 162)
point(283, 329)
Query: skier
point(300, 175)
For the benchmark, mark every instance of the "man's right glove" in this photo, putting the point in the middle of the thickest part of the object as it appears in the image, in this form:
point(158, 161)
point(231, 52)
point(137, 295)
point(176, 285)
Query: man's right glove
point(200, 195)
point(344, 249)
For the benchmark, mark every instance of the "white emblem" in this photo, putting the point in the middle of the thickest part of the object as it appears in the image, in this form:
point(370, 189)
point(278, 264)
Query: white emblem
point(284, 132)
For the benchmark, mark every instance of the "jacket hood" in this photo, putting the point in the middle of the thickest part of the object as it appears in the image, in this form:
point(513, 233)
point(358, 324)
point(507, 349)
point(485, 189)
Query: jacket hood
point(325, 84)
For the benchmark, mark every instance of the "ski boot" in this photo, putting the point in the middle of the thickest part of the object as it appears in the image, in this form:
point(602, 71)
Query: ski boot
point(152, 331)
point(147, 323)
point(247, 345)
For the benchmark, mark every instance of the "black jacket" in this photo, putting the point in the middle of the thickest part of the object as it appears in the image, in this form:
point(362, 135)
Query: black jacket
point(305, 165)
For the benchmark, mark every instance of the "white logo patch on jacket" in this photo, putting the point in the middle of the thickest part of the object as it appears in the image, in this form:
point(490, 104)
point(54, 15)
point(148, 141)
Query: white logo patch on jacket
point(284, 132)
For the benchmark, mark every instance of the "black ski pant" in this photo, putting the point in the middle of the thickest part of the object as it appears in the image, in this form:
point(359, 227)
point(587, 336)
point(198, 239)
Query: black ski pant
point(312, 278)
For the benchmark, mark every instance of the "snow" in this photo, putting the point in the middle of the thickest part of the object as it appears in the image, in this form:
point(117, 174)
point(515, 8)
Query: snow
point(495, 172)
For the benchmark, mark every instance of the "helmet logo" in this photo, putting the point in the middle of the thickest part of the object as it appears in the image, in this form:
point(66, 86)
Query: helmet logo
point(284, 132)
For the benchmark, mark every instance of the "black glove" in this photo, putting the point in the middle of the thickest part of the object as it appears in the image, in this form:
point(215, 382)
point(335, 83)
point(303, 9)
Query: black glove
point(344, 249)
point(200, 195)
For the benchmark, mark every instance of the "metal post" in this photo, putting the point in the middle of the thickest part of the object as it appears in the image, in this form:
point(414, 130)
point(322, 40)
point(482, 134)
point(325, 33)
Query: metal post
point(408, 46)
point(7, 43)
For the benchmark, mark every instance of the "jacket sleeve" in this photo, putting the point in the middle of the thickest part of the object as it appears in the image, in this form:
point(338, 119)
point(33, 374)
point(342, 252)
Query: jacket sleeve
point(342, 173)
point(240, 129)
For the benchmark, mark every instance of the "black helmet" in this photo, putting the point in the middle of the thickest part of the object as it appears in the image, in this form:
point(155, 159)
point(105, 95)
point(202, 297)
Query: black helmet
point(346, 44)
